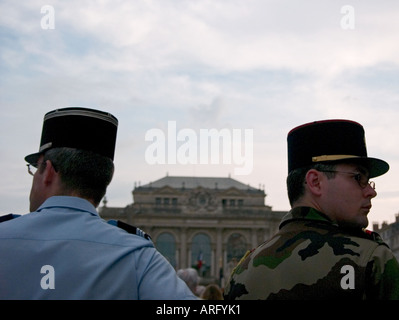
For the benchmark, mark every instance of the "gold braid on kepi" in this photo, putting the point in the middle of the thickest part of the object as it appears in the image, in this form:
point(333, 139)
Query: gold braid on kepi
point(329, 141)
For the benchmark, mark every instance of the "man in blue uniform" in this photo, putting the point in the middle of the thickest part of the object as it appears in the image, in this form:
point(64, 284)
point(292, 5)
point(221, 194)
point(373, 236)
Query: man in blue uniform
point(62, 249)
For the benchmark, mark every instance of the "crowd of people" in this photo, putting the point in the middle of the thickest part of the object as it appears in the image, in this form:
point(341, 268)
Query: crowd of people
point(211, 291)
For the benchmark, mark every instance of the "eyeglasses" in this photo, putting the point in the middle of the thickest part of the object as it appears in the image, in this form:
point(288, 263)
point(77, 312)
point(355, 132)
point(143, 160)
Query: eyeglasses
point(360, 178)
point(32, 168)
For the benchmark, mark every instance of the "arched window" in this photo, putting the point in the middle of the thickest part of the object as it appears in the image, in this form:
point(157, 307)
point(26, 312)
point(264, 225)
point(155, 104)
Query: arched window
point(201, 254)
point(166, 245)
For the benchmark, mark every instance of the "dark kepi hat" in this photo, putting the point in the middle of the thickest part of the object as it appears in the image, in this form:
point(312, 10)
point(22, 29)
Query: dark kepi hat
point(79, 128)
point(330, 141)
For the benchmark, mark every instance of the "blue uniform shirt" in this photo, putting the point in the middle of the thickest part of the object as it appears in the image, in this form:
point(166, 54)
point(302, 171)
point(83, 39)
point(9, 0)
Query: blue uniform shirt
point(64, 250)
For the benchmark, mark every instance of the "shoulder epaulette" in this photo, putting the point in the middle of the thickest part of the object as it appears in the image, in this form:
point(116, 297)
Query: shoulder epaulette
point(9, 216)
point(372, 235)
point(130, 229)
point(366, 234)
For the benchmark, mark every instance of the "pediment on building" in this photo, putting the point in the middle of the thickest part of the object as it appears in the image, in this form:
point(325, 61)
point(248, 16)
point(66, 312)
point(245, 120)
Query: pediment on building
point(232, 192)
point(166, 190)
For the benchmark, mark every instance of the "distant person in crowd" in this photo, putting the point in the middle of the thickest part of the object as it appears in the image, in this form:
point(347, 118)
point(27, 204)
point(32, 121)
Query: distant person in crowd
point(322, 250)
point(212, 292)
point(191, 278)
point(62, 249)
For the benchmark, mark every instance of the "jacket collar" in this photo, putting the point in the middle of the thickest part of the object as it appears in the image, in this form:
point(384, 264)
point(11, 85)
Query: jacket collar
point(68, 202)
point(305, 213)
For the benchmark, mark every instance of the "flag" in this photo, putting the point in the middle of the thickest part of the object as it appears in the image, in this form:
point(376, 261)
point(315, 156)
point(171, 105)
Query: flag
point(199, 260)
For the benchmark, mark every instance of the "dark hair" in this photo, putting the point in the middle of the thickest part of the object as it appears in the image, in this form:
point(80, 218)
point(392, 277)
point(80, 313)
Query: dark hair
point(84, 172)
point(296, 180)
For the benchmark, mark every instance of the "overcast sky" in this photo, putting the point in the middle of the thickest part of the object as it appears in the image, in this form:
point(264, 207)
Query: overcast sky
point(255, 66)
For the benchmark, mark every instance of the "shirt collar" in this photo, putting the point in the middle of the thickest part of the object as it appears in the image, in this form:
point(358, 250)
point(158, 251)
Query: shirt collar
point(69, 202)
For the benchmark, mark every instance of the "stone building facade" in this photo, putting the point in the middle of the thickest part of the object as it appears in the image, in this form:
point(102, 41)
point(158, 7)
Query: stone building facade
point(203, 222)
point(390, 234)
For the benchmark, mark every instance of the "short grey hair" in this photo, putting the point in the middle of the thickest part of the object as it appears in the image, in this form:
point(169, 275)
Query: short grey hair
point(190, 277)
point(84, 172)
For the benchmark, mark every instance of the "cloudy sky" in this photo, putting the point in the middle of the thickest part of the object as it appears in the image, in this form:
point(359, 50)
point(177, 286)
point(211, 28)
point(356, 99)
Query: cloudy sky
point(256, 66)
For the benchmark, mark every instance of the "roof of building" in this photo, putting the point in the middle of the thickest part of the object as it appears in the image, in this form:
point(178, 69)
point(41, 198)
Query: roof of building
point(194, 182)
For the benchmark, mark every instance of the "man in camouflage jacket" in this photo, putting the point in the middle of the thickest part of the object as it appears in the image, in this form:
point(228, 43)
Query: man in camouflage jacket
point(322, 250)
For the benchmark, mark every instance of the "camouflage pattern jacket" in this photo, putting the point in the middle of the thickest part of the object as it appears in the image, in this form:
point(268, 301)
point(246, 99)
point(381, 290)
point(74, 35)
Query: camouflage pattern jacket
point(312, 258)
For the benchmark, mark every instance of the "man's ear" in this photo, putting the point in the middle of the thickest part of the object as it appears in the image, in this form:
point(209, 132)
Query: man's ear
point(49, 173)
point(314, 181)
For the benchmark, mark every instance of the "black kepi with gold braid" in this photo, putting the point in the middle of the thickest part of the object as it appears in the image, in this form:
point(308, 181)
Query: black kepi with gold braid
point(330, 141)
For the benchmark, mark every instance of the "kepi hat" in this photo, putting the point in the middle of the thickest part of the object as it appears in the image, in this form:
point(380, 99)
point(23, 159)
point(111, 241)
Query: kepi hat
point(79, 128)
point(330, 141)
